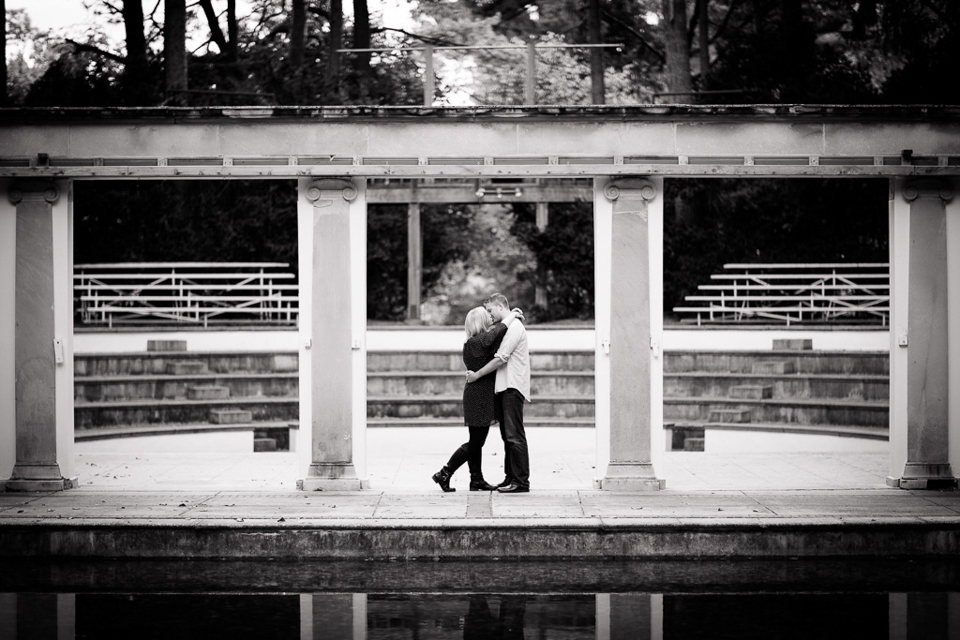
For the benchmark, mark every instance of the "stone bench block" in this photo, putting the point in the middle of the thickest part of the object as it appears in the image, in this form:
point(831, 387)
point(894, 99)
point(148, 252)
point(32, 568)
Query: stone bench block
point(230, 416)
point(186, 368)
point(791, 344)
point(730, 415)
point(774, 367)
point(751, 391)
point(166, 345)
point(207, 392)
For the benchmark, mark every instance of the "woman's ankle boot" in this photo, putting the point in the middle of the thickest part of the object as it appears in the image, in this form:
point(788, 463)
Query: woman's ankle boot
point(477, 483)
point(442, 478)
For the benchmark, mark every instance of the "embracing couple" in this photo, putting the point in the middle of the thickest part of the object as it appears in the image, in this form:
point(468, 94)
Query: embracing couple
point(498, 383)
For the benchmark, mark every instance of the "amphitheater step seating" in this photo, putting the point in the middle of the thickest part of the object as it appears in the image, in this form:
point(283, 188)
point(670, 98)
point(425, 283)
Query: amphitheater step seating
point(790, 389)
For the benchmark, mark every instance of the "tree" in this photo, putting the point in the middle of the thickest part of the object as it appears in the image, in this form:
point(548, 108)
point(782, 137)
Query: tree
point(3, 49)
point(677, 75)
point(135, 61)
point(174, 49)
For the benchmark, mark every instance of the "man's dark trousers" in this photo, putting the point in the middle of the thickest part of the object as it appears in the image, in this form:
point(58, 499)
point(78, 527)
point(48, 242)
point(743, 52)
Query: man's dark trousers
point(508, 407)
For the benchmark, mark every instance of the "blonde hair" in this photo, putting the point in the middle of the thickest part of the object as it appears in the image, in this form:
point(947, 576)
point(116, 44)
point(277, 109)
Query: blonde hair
point(476, 322)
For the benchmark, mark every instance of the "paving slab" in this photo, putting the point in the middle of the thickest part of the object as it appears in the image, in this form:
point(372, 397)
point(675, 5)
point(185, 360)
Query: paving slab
point(714, 505)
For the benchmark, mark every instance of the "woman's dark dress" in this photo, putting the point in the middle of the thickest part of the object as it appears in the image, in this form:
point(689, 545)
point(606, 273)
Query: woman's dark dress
point(478, 396)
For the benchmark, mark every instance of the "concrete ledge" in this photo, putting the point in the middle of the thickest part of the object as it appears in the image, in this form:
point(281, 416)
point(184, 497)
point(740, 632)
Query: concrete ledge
point(574, 576)
point(582, 539)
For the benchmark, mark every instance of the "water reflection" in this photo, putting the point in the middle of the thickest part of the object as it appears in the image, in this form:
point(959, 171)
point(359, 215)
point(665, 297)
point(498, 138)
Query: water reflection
point(481, 616)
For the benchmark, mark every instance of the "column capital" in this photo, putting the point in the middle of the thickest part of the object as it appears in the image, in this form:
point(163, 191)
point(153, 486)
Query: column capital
point(33, 190)
point(928, 188)
point(645, 188)
point(330, 188)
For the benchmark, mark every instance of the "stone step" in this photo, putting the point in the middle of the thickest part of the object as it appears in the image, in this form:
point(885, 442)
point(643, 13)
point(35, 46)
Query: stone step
point(146, 387)
point(751, 391)
point(775, 367)
point(230, 416)
point(264, 445)
point(453, 361)
point(406, 383)
point(861, 414)
point(155, 363)
point(528, 421)
point(186, 368)
point(452, 407)
point(692, 428)
point(208, 392)
point(805, 362)
point(827, 386)
point(730, 415)
point(142, 412)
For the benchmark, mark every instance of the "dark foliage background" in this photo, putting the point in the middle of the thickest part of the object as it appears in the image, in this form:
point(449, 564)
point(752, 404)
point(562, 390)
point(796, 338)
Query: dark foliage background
point(715, 221)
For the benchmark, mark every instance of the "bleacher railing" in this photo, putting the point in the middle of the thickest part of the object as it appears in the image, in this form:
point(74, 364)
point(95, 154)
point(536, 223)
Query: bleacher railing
point(793, 293)
point(185, 293)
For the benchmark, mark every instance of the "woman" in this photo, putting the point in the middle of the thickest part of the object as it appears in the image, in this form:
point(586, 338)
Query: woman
point(480, 345)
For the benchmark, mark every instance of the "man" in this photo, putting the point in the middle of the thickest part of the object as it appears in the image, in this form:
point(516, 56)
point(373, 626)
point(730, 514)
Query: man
point(512, 362)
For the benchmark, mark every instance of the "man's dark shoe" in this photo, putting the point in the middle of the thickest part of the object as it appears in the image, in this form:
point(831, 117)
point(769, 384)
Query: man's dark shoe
point(506, 481)
point(513, 487)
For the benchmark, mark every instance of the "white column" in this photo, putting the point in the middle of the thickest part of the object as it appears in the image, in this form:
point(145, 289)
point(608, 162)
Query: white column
point(628, 249)
point(42, 337)
point(920, 353)
point(635, 616)
point(332, 334)
point(333, 615)
point(8, 324)
point(414, 262)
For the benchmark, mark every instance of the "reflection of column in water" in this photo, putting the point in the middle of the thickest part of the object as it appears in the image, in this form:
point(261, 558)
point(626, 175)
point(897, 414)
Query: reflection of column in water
point(333, 615)
point(634, 616)
point(924, 615)
point(38, 615)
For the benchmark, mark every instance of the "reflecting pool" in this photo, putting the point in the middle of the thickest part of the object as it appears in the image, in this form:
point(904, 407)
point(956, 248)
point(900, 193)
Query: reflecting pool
point(897, 600)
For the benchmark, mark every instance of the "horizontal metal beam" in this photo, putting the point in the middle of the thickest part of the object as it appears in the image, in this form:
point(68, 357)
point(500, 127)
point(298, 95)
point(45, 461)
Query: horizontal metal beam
point(544, 171)
point(448, 195)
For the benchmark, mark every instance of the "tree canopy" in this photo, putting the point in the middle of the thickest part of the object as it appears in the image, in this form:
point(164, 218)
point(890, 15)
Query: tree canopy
point(321, 52)
point(686, 51)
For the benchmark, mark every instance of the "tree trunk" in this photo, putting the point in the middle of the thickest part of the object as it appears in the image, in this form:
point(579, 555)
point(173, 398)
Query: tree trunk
point(298, 33)
point(175, 50)
point(361, 40)
point(232, 30)
point(336, 42)
point(677, 69)
point(3, 50)
point(703, 28)
point(216, 33)
point(135, 67)
point(597, 88)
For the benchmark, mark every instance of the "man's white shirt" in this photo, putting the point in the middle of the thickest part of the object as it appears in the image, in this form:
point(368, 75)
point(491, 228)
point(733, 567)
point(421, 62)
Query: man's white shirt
point(515, 374)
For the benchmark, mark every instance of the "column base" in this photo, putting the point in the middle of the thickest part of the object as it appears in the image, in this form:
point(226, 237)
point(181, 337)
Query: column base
point(630, 477)
point(332, 477)
point(924, 476)
point(41, 486)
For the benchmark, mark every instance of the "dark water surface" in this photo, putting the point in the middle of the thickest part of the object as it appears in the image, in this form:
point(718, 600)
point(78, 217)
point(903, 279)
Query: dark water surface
point(814, 600)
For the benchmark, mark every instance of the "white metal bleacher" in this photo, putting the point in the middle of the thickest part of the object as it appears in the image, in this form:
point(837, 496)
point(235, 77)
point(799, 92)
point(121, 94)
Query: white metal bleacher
point(192, 293)
point(793, 293)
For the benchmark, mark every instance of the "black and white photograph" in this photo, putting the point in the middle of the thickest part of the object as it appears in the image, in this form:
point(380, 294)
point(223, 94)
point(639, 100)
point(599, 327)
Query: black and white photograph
point(480, 319)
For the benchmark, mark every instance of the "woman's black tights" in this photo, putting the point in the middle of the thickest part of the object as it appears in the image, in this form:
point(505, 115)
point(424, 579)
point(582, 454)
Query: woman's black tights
point(470, 452)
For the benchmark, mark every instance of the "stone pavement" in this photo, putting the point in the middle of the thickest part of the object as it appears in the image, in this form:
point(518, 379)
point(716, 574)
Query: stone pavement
point(746, 505)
